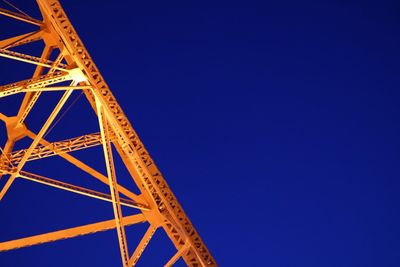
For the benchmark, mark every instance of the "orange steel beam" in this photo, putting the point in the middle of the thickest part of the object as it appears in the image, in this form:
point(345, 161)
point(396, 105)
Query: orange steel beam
point(21, 39)
point(20, 17)
point(142, 245)
point(43, 130)
point(57, 88)
point(164, 211)
point(135, 156)
point(28, 101)
point(169, 224)
point(79, 190)
point(57, 149)
point(3, 117)
point(31, 59)
point(112, 181)
point(178, 254)
point(30, 98)
point(69, 233)
point(39, 82)
point(4, 160)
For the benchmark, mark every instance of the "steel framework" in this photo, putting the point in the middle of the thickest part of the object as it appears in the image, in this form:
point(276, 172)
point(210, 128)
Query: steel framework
point(156, 203)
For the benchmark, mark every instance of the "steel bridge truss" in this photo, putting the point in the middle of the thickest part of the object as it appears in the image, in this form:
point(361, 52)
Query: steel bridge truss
point(156, 204)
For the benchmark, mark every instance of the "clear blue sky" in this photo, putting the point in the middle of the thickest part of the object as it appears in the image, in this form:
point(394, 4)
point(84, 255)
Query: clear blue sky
point(276, 125)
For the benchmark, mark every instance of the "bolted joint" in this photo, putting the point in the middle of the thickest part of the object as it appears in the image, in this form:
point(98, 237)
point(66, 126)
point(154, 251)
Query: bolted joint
point(15, 129)
point(77, 75)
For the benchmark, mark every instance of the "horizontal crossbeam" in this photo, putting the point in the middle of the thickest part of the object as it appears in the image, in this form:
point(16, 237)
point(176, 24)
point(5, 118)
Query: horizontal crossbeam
point(69, 233)
point(40, 82)
point(56, 88)
point(78, 189)
point(31, 59)
point(58, 148)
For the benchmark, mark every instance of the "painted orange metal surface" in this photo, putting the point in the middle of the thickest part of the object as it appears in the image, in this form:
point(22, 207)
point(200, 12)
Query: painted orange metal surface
point(156, 203)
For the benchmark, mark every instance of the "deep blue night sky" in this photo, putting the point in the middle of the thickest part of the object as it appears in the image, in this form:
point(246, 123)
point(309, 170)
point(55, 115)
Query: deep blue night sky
point(276, 126)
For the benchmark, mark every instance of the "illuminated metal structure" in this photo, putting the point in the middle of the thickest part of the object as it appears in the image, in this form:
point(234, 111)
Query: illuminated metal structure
point(156, 203)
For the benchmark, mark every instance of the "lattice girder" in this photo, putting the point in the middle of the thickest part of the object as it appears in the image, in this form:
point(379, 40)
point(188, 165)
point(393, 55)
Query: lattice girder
point(157, 203)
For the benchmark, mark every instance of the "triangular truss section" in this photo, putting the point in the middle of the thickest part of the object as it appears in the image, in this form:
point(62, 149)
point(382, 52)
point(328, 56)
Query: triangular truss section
point(65, 66)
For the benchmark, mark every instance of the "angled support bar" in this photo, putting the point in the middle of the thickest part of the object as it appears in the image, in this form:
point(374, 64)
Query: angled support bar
point(42, 131)
point(3, 117)
point(21, 39)
point(20, 17)
point(30, 99)
point(31, 59)
point(41, 81)
point(69, 233)
point(5, 162)
point(178, 254)
point(78, 190)
point(142, 245)
point(130, 147)
point(112, 182)
point(61, 148)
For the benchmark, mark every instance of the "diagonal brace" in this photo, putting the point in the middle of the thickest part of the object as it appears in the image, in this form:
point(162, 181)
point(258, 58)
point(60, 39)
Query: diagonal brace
point(57, 149)
point(20, 17)
point(42, 131)
point(178, 254)
point(69, 233)
point(21, 39)
point(112, 182)
point(78, 189)
point(142, 245)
